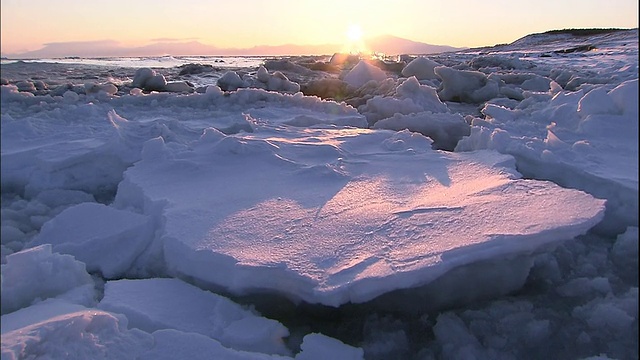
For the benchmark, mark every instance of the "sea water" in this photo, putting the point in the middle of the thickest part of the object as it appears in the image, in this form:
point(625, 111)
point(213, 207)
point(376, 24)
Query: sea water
point(152, 61)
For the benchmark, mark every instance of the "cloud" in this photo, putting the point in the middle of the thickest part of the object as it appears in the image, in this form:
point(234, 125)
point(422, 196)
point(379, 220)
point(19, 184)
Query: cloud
point(91, 43)
point(174, 39)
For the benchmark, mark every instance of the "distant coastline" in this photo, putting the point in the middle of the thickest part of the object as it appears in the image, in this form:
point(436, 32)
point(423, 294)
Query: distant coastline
point(586, 32)
point(387, 44)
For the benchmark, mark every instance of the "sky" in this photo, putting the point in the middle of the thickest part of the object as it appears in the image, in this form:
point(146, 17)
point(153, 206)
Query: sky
point(28, 25)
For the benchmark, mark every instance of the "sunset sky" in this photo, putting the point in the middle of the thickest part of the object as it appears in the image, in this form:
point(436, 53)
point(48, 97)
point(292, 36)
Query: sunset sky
point(29, 24)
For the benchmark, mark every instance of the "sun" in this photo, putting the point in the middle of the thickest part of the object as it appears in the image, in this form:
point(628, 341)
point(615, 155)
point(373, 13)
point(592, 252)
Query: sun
point(355, 43)
point(354, 33)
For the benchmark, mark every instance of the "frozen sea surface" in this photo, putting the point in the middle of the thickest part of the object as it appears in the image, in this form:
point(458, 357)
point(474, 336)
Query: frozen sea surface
point(480, 204)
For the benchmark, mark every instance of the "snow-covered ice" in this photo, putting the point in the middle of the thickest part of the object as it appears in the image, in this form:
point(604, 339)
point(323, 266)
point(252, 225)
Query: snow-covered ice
point(108, 240)
point(23, 283)
point(478, 204)
point(155, 304)
point(334, 216)
point(589, 144)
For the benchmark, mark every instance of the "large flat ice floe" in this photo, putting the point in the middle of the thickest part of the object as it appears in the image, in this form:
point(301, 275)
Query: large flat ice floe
point(333, 216)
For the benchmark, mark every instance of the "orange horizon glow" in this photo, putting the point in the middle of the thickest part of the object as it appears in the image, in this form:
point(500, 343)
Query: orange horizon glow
point(248, 23)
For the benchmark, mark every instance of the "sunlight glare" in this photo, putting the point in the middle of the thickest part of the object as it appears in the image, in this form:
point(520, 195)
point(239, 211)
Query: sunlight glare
point(354, 33)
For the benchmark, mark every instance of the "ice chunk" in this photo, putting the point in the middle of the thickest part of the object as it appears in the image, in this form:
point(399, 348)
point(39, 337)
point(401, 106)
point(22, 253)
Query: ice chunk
point(465, 85)
point(156, 304)
point(362, 73)
point(445, 129)
point(59, 197)
point(178, 87)
point(422, 68)
point(500, 62)
point(141, 77)
point(455, 338)
point(583, 141)
point(26, 86)
point(409, 97)
point(262, 74)
point(92, 88)
point(597, 101)
point(623, 93)
point(230, 81)
point(39, 312)
point(105, 238)
point(36, 274)
point(155, 83)
point(172, 344)
point(624, 254)
point(318, 346)
point(62, 154)
point(86, 334)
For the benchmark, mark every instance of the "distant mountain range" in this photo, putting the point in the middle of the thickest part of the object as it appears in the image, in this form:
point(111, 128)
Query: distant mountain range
point(392, 45)
point(387, 44)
